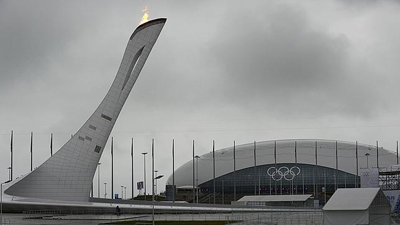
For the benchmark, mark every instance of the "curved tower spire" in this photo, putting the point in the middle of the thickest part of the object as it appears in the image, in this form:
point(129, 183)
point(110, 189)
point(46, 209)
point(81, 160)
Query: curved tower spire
point(68, 174)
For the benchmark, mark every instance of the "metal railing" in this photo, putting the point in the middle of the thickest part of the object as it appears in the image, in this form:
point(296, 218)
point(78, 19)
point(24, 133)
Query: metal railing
point(281, 218)
point(269, 218)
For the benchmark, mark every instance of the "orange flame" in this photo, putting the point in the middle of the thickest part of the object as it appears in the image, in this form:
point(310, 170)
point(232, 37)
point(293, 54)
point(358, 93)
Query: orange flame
point(145, 15)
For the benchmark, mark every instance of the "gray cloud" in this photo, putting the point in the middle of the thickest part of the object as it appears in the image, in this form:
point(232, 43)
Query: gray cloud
point(286, 66)
point(220, 70)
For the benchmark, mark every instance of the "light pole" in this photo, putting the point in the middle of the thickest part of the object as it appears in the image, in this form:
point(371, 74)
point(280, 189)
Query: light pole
point(193, 177)
point(156, 171)
point(31, 151)
point(234, 171)
point(12, 154)
point(173, 170)
point(1, 201)
point(197, 178)
point(152, 177)
point(144, 173)
point(122, 192)
point(112, 167)
point(51, 144)
point(133, 182)
point(155, 179)
point(105, 190)
point(9, 173)
point(367, 154)
point(255, 167)
point(98, 180)
point(213, 157)
point(158, 177)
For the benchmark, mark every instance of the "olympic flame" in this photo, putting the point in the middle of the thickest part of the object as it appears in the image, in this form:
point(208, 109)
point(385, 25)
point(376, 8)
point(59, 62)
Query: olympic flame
point(145, 15)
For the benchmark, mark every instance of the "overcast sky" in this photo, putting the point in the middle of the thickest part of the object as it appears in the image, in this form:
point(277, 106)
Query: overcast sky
point(220, 70)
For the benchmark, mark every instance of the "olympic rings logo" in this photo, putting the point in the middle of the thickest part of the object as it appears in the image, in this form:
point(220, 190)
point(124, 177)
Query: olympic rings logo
point(283, 172)
point(366, 174)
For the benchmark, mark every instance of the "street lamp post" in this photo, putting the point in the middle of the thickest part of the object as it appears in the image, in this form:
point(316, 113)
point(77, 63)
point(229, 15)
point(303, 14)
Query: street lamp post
point(133, 182)
point(31, 151)
point(51, 144)
point(1, 201)
point(9, 173)
point(152, 176)
point(156, 171)
point(155, 179)
point(12, 155)
point(234, 171)
point(122, 192)
point(197, 178)
point(213, 157)
point(105, 190)
point(193, 177)
point(144, 171)
point(173, 170)
point(367, 154)
point(112, 167)
point(98, 180)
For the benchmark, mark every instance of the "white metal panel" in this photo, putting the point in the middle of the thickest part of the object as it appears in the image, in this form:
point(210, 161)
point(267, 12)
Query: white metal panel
point(326, 151)
point(351, 199)
point(346, 217)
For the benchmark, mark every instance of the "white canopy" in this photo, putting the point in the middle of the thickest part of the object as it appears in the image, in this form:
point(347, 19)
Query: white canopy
point(357, 206)
point(351, 199)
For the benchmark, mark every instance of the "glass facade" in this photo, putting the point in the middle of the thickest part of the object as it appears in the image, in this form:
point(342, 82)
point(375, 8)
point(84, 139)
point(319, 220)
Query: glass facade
point(282, 178)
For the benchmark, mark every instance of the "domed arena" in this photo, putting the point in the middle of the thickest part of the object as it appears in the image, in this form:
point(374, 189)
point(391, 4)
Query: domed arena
point(281, 167)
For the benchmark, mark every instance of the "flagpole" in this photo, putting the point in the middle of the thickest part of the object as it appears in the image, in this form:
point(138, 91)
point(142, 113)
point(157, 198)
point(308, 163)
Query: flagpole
point(397, 151)
point(214, 171)
point(337, 165)
point(377, 155)
point(133, 181)
point(12, 154)
point(194, 191)
point(112, 167)
point(356, 164)
point(316, 172)
point(234, 170)
point(51, 144)
point(255, 168)
point(152, 176)
point(276, 169)
point(31, 151)
point(173, 170)
point(295, 160)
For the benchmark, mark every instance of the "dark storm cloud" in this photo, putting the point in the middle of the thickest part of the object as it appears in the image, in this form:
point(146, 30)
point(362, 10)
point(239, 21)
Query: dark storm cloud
point(36, 36)
point(30, 36)
point(51, 51)
point(283, 64)
point(269, 59)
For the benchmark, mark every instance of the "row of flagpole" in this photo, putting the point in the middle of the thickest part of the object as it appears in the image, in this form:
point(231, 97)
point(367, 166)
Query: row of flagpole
point(195, 186)
point(315, 185)
point(30, 150)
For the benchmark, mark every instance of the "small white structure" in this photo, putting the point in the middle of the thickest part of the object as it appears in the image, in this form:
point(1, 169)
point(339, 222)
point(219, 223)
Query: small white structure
point(273, 200)
point(357, 206)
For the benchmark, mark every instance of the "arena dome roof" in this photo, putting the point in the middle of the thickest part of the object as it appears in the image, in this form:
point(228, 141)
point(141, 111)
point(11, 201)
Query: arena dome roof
point(285, 153)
